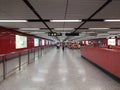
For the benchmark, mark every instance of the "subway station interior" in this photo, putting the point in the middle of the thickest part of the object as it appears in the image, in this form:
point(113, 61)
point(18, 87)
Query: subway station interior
point(59, 44)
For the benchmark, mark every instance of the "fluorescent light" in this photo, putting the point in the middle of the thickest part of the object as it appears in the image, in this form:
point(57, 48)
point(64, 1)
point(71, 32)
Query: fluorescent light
point(65, 20)
point(112, 20)
point(97, 28)
point(36, 32)
point(13, 21)
point(63, 32)
point(63, 28)
point(103, 34)
point(113, 32)
point(29, 29)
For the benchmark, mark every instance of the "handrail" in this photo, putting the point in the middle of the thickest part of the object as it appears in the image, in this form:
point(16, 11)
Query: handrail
point(4, 58)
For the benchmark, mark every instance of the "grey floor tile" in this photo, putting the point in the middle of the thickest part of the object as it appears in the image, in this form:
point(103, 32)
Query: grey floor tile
point(58, 70)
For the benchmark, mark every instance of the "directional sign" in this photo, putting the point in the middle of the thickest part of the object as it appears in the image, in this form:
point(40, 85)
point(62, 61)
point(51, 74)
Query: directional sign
point(54, 34)
point(72, 34)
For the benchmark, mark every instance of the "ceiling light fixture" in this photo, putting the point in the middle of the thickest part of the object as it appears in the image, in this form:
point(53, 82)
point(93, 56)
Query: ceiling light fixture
point(63, 28)
point(97, 28)
point(13, 21)
point(36, 32)
point(65, 20)
point(112, 20)
point(29, 29)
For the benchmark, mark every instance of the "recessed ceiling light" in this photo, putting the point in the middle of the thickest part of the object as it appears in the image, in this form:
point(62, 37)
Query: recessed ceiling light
point(36, 32)
point(97, 28)
point(63, 28)
point(114, 32)
point(13, 21)
point(65, 20)
point(103, 34)
point(29, 29)
point(112, 20)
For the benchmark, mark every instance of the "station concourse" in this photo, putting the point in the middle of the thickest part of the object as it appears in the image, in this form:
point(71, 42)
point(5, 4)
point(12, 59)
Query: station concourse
point(59, 44)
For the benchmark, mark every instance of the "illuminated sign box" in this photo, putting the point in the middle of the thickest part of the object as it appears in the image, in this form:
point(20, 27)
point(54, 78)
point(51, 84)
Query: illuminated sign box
point(54, 34)
point(112, 42)
point(71, 34)
point(43, 42)
point(21, 41)
point(36, 42)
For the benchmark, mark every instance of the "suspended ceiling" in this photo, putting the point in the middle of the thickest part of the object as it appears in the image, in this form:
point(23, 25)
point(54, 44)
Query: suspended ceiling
point(60, 10)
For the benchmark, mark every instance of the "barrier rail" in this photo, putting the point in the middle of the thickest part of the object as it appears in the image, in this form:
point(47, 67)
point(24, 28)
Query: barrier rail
point(6, 58)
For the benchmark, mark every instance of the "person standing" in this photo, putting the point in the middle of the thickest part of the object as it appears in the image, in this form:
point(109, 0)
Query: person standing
point(63, 46)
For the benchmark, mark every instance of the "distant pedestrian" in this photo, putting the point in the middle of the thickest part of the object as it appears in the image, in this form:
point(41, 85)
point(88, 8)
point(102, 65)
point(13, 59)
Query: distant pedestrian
point(58, 46)
point(63, 46)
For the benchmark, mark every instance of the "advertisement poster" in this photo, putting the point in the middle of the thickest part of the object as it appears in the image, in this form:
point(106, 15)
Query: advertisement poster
point(43, 42)
point(21, 42)
point(111, 42)
point(36, 42)
point(119, 42)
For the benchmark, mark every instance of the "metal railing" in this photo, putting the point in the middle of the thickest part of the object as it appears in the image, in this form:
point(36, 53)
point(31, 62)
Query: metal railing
point(18, 55)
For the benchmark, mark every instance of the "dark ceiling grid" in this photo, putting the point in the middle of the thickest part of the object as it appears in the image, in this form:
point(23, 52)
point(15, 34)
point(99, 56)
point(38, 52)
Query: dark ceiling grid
point(98, 10)
point(93, 20)
point(65, 13)
point(84, 22)
point(40, 18)
point(48, 20)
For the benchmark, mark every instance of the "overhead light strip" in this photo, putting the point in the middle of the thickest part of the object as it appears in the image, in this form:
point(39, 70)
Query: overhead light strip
point(13, 21)
point(98, 28)
point(112, 20)
point(65, 20)
point(36, 32)
point(63, 28)
point(29, 29)
point(46, 20)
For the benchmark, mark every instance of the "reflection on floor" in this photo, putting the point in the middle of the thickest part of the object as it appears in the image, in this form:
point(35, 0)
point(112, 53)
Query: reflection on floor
point(58, 70)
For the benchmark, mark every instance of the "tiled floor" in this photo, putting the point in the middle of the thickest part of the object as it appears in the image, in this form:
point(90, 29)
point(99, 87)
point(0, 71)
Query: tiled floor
point(58, 70)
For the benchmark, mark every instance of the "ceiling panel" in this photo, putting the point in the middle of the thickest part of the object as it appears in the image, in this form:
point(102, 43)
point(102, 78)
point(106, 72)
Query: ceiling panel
point(3, 15)
point(82, 30)
point(72, 25)
point(62, 31)
point(13, 25)
point(50, 9)
point(82, 9)
point(111, 11)
point(55, 9)
point(55, 25)
point(38, 31)
point(44, 35)
point(16, 9)
point(36, 25)
point(23, 25)
point(101, 25)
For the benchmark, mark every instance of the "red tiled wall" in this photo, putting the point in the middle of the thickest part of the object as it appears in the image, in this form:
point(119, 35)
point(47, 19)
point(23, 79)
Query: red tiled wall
point(7, 40)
